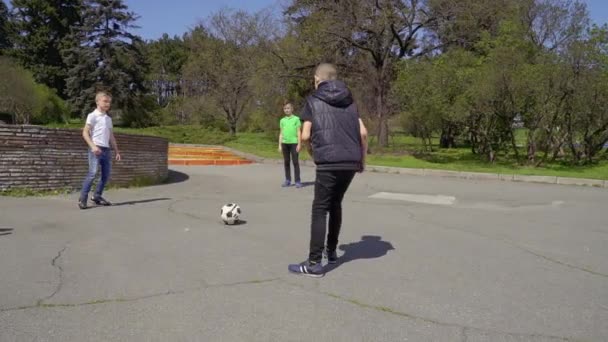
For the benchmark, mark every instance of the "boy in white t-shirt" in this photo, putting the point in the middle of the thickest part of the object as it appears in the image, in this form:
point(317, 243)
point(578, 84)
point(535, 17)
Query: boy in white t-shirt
point(97, 132)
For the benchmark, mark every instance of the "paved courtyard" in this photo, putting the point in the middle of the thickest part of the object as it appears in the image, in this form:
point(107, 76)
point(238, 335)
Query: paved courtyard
point(422, 259)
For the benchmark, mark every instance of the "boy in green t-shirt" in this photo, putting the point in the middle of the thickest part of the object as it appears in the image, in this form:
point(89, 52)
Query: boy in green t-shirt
point(289, 143)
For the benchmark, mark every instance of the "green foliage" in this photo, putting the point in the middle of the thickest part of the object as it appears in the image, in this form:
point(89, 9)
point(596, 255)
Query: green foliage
point(434, 94)
point(508, 78)
point(51, 108)
point(42, 29)
point(166, 57)
point(223, 62)
point(259, 121)
point(5, 31)
point(106, 56)
point(27, 101)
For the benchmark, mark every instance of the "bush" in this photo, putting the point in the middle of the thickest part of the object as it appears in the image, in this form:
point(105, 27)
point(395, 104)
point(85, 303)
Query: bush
point(25, 100)
point(51, 108)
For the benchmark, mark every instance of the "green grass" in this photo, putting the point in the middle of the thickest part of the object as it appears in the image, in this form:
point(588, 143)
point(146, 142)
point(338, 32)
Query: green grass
point(404, 151)
point(25, 192)
point(466, 161)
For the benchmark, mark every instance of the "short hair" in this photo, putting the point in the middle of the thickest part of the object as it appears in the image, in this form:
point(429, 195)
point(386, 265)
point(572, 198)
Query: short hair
point(326, 72)
point(101, 94)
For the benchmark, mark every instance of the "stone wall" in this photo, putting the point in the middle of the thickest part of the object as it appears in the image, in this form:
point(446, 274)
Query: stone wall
point(44, 158)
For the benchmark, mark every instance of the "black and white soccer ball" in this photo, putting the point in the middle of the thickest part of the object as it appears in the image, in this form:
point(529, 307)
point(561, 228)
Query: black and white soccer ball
point(231, 213)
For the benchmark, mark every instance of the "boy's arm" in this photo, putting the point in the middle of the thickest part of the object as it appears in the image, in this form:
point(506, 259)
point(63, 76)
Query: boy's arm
point(363, 133)
point(86, 134)
point(280, 140)
point(305, 136)
point(306, 129)
point(115, 146)
point(299, 147)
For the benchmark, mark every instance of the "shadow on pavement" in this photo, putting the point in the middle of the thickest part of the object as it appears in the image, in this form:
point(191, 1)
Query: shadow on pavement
point(6, 231)
point(370, 247)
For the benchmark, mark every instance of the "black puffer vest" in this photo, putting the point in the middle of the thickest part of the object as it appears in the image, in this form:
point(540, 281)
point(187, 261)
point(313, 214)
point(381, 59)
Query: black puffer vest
point(336, 139)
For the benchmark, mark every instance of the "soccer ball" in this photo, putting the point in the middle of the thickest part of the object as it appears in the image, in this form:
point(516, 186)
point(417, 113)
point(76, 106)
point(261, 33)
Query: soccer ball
point(230, 213)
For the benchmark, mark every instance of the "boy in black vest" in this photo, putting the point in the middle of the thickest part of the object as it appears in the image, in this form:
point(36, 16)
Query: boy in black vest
point(338, 139)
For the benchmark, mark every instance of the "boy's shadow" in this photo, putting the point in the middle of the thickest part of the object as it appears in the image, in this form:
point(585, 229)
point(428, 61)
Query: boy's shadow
point(306, 184)
point(370, 247)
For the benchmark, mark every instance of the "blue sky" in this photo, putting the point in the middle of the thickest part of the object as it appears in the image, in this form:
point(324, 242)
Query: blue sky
point(177, 16)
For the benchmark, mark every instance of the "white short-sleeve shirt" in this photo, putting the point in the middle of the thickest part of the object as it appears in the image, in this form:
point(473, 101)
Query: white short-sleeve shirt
point(101, 128)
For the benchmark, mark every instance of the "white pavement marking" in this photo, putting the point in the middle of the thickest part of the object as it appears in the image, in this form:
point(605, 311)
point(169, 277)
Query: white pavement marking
point(427, 199)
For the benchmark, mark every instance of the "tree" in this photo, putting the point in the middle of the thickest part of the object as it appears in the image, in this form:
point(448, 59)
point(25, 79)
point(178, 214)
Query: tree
point(27, 101)
point(42, 29)
point(433, 95)
point(224, 59)
point(109, 57)
point(469, 20)
point(384, 31)
point(16, 91)
point(554, 24)
point(586, 114)
point(5, 42)
point(166, 57)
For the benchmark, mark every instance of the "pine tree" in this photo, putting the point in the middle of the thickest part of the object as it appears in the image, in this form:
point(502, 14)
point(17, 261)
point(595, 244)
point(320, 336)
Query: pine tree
point(42, 29)
point(5, 42)
point(106, 57)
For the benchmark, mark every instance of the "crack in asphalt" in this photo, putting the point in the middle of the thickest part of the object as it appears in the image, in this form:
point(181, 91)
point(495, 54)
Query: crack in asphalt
point(40, 303)
point(60, 281)
point(427, 320)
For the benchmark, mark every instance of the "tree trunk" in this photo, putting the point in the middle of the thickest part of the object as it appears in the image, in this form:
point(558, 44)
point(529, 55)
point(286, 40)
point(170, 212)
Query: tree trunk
point(531, 150)
point(447, 138)
point(514, 145)
point(383, 132)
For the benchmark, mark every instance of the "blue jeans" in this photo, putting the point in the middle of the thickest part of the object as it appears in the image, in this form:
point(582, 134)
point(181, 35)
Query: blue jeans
point(105, 161)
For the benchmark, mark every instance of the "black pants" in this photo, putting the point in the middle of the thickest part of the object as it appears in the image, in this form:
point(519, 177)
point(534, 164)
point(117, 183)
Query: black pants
point(330, 187)
point(289, 151)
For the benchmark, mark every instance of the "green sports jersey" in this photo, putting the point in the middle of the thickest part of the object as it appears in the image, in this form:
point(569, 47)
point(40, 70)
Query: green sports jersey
point(289, 127)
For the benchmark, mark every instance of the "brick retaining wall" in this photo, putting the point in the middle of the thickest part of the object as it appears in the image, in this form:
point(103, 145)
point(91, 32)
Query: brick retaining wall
point(44, 158)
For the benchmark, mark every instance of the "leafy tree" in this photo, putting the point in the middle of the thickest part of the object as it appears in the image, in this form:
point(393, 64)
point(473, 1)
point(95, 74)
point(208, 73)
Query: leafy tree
point(383, 31)
point(166, 57)
point(42, 29)
point(224, 60)
point(107, 57)
point(5, 41)
point(27, 101)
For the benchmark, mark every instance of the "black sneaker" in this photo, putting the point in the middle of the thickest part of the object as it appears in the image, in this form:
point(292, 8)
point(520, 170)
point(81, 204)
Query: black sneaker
point(82, 204)
point(100, 201)
point(332, 257)
point(308, 269)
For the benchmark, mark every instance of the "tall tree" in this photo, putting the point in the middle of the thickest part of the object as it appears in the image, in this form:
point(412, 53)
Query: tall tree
point(470, 20)
point(554, 24)
point(224, 59)
point(586, 114)
point(107, 56)
point(385, 31)
point(42, 29)
point(166, 56)
point(5, 41)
